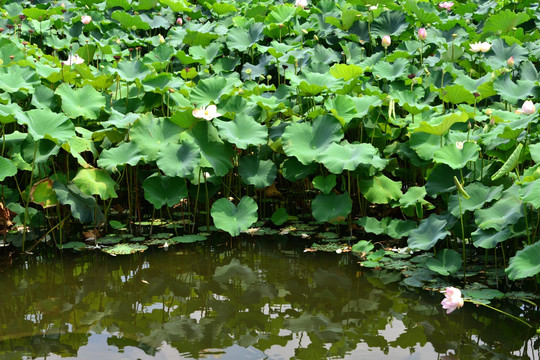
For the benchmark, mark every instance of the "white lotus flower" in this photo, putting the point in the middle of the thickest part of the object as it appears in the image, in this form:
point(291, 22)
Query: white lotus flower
point(74, 59)
point(207, 113)
point(480, 46)
point(301, 3)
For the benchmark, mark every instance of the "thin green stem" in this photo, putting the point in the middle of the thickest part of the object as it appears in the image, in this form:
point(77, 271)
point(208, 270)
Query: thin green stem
point(502, 312)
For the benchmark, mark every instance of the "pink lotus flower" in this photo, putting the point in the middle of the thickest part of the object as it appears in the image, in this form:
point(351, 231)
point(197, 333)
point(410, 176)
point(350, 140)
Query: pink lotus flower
point(510, 62)
point(446, 5)
point(422, 34)
point(528, 108)
point(452, 300)
point(301, 3)
point(386, 41)
point(179, 21)
point(86, 19)
point(480, 46)
point(75, 59)
point(207, 113)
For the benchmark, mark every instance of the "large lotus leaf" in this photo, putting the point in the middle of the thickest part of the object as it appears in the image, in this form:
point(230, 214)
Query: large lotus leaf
point(280, 216)
point(164, 190)
point(179, 159)
point(425, 145)
point(502, 22)
point(243, 39)
point(380, 189)
point(214, 150)
point(457, 94)
point(306, 141)
point(280, 14)
point(346, 71)
point(505, 211)
point(413, 196)
point(530, 193)
point(293, 170)
point(77, 145)
point(391, 71)
point(312, 83)
point(187, 239)
point(342, 107)
point(535, 152)
point(457, 158)
point(525, 263)
point(125, 153)
point(132, 70)
point(410, 101)
point(162, 83)
point(395, 228)
point(257, 172)
point(345, 156)
point(208, 91)
point(7, 113)
point(242, 131)
point(129, 22)
point(332, 208)
point(365, 103)
point(447, 262)
point(205, 54)
point(503, 52)
point(428, 233)
point(83, 207)
point(389, 23)
point(234, 219)
point(325, 183)
point(513, 91)
point(45, 124)
point(96, 182)
point(42, 193)
point(488, 239)
point(479, 195)
point(15, 78)
point(441, 124)
point(152, 134)
point(7, 168)
point(85, 102)
point(38, 152)
point(177, 5)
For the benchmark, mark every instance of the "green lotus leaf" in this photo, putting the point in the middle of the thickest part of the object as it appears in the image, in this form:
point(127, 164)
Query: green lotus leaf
point(363, 246)
point(331, 207)
point(530, 193)
point(441, 124)
point(457, 94)
point(410, 101)
point(447, 262)
point(280, 216)
point(509, 164)
point(489, 238)
point(129, 22)
point(214, 150)
point(234, 219)
point(391, 71)
point(85, 102)
point(312, 83)
point(280, 14)
point(479, 195)
point(506, 211)
point(395, 228)
point(346, 71)
point(179, 159)
point(7, 113)
point(293, 170)
point(96, 182)
point(77, 145)
point(152, 134)
point(243, 39)
point(502, 52)
point(380, 189)
point(15, 78)
point(161, 83)
point(132, 70)
point(187, 239)
point(7, 49)
point(345, 156)
point(75, 245)
point(7, 168)
point(525, 263)
point(441, 180)
point(83, 207)
point(391, 23)
point(125, 249)
point(257, 172)
point(205, 54)
point(164, 190)
point(209, 91)
point(306, 141)
point(457, 158)
point(177, 5)
point(242, 131)
point(42, 193)
point(125, 153)
point(534, 150)
point(325, 183)
point(513, 91)
point(414, 195)
point(43, 97)
point(505, 21)
point(428, 233)
point(45, 124)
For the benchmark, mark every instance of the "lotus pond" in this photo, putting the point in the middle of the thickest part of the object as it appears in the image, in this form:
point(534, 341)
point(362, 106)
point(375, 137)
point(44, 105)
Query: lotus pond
point(254, 298)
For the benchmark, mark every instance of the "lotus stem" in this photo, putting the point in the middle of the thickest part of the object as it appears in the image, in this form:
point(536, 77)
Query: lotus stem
point(499, 310)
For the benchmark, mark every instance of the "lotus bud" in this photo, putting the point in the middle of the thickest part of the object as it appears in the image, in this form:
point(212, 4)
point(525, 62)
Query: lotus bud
point(161, 39)
point(510, 62)
point(528, 108)
point(86, 19)
point(179, 21)
point(386, 41)
point(422, 34)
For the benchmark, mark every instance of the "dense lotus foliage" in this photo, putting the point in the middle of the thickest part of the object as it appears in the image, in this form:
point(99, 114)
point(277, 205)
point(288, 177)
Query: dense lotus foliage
point(405, 119)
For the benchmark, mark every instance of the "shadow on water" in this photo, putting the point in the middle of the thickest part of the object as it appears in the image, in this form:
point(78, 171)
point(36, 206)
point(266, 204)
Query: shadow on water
point(252, 299)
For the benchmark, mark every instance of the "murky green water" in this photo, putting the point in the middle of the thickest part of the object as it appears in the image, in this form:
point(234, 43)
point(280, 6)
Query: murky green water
point(254, 299)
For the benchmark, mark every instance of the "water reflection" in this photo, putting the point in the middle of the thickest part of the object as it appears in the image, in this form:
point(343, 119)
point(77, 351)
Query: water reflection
point(255, 299)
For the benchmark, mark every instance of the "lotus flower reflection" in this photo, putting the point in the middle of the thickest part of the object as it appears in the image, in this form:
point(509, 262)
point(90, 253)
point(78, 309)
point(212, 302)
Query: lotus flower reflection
point(452, 299)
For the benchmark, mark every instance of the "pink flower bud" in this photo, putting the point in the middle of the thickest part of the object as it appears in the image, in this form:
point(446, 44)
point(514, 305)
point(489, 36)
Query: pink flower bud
point(386, 41)
point(528, 108)
point(422, 34)
point(179, 21)
point(86, 19)
point(447, 5)
point(510, 62)
point(452, 299)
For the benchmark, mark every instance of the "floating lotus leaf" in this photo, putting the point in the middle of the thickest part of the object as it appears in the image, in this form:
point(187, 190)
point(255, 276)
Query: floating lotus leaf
point(428, 233)
point(257, 172)
point(164, 190)
point(306, 141)
point(380, 189)
point(242, 131)
point(45, 124)
point(234, 219)
point(345, 156)
point(525, 263)
point(7, 168)
point(331, 207)
point(125, 249)
point(96, 182)
point(447, 262)
point(179, 159)
point(325, 183)
point(75, 245)
point(457, 158)
point(83, 207)
point(85, 102)
point(125, 153)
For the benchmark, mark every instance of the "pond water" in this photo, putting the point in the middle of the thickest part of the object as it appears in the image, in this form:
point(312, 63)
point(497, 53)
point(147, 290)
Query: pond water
point(252, 298)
